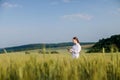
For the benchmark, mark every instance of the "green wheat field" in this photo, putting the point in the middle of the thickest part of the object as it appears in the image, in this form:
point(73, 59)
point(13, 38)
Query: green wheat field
point(36, 66)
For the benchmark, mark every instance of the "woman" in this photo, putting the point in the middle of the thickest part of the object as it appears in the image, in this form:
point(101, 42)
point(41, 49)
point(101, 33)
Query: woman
point(76, 48)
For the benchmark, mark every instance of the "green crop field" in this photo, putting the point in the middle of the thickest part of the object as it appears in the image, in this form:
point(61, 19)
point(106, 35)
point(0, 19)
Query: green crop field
point(34, 66)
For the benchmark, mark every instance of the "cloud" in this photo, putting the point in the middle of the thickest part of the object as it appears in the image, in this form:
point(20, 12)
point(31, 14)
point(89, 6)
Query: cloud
point(118, 9)
point(54, 3)
point(116, 12)
point(10, 5)
point(77, 16)
point(66, 1)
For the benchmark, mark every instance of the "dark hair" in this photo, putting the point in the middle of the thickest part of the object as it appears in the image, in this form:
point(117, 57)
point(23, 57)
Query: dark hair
point(75, 38)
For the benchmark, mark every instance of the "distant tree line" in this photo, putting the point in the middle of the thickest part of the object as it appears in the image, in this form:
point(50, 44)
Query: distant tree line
point(39, 46)
point(111, 44)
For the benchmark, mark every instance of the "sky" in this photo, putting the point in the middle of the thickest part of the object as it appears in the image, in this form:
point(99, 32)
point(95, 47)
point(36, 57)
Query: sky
point(52, 21)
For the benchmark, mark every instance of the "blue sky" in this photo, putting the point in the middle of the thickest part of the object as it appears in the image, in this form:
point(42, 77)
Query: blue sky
point(52, 21)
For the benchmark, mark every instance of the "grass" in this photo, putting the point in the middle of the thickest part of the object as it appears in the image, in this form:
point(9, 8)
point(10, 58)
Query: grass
point(36, 66)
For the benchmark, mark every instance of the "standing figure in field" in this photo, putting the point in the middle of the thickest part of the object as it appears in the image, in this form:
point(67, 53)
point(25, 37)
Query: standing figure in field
point(76, 48)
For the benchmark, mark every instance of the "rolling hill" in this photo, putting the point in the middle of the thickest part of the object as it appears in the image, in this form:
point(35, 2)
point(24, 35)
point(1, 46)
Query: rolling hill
point(40, 46)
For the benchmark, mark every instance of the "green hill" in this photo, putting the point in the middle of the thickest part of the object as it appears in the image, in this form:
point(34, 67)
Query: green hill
point(39, 46)
point(111, 44)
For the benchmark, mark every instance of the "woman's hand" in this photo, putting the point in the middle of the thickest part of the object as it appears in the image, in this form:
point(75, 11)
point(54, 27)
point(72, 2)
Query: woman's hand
point(70, 50)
